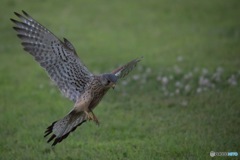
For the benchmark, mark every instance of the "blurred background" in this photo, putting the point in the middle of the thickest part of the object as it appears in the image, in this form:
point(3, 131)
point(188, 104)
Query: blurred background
point(181, 101)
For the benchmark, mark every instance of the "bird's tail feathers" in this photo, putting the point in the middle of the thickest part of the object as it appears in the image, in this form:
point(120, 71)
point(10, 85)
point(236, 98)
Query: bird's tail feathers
point(60, 129)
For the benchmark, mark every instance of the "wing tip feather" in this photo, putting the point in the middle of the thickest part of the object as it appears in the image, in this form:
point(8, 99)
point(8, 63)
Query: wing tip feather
point(18, 15)
point(130, 65)
point(25, 13)
point(139, 59)
point(13, 20)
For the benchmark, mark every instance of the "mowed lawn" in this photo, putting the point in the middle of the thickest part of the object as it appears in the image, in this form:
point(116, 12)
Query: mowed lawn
point(138, 121)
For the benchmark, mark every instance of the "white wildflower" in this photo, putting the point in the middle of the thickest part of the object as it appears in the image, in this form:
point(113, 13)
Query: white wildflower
point(232, 80)
point(135, 77)
point(179, 58)
point(188, 76)
point(203, 81)
point(148, 70)
point(178, 84)
point(177, 70)
point(124, 82)
point(177, 91)
point(184, 103)
point(204, 71)
point(216, 76)
point(164, 81)
point(187, 88)
point(199, 90)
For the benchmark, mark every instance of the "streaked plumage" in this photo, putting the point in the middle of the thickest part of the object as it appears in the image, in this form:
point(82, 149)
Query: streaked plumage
point(64, 67)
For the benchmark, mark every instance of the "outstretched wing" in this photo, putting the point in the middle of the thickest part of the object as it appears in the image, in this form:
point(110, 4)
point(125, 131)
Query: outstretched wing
point(122, 71)
point(59, 58)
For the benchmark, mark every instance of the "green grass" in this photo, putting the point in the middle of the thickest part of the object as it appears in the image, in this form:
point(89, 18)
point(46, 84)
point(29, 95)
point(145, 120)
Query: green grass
point(141, 123)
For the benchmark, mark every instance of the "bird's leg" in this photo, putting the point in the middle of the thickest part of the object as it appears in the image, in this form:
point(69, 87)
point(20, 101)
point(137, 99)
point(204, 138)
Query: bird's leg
point(94, 118)
point(89, 116)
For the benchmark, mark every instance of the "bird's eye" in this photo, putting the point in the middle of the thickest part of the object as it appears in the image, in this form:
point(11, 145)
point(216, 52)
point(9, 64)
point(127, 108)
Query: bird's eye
point(108, 82)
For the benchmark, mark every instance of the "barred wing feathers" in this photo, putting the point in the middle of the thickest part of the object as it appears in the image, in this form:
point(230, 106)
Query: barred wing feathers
point(59, 58)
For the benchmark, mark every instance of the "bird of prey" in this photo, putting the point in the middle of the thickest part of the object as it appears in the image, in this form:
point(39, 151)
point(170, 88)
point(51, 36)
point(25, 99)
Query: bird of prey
point(64, 67)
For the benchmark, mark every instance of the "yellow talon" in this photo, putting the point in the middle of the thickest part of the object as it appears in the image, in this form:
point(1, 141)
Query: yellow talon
point(91, 116)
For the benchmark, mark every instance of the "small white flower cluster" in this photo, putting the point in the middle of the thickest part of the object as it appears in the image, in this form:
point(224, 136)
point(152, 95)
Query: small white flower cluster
point(175, 81)
point(194, 81)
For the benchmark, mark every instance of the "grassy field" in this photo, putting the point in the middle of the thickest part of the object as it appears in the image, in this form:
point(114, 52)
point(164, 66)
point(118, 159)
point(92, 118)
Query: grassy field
point(171, 107)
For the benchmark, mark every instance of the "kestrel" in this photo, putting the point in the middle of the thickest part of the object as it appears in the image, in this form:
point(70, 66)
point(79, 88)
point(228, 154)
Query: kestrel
point(64, 67)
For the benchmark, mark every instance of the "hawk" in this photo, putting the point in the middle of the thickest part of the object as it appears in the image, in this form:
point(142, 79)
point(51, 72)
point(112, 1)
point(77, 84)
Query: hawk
point(60, 60)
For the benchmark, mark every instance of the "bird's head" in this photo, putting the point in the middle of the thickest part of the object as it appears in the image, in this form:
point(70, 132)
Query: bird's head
point(109, 80)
